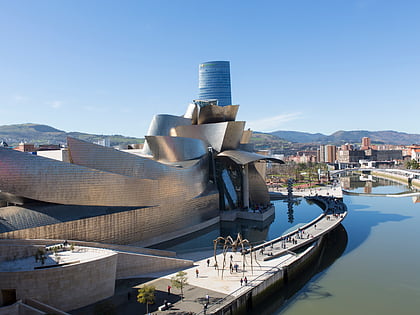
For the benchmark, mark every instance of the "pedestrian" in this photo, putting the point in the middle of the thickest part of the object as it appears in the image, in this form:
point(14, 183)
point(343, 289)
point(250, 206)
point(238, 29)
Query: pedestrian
point(231, 257)
point(236, 267)
point(169, 289)
point(231, 267)
point(246, 280)
point(242, 280)
point(196, 273)
point(208, 262)
point(208, 298)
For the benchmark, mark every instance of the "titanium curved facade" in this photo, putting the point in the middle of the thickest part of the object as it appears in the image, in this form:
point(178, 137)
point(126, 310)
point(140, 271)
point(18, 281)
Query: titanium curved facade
point(175, 149)
point(191, 169)
point(214, 82)
point(161, 125)
point(106, 184)
point(220, 136)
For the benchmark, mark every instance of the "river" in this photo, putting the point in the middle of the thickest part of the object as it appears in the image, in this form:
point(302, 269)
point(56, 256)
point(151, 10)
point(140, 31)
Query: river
point(371, 269)
point(378, 273)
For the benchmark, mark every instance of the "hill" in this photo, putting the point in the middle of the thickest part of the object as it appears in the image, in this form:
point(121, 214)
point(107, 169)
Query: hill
point(43, 134)
point(278, 141)
point(355, 136)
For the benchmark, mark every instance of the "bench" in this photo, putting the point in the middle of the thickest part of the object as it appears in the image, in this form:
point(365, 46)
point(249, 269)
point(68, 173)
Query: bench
point(165, 306)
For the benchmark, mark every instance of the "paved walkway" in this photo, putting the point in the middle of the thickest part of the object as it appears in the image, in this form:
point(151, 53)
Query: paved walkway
point(219, 283)
point(334, 191)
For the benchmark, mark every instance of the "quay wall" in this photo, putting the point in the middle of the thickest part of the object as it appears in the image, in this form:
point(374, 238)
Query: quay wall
point(280, 277)
point(283, 276)
point(399, 178)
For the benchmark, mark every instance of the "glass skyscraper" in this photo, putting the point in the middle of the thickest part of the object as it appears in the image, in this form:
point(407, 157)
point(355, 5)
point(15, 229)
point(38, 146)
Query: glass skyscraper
point(214, 82)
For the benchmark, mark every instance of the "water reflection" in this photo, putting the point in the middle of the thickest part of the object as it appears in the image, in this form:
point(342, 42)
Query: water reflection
point(364, 221)
point(378, 271)
point(288, 216)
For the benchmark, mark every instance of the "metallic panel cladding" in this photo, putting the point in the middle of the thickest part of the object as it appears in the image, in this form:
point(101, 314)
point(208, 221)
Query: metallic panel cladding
point(258, 192)
point(161, 125)
point(220, 136)
point(214, 114)
point(214, 82)
point(175, 149)
point(245, 157)
point(53, 181)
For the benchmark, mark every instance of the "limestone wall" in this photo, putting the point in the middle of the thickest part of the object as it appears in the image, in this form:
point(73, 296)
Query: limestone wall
point(131, 264)
point(132, 261)
point(21, 248)
point(65, 287)
point(16, 251)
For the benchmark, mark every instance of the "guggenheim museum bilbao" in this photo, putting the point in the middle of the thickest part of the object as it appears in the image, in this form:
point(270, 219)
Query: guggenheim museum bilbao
point(191, 167)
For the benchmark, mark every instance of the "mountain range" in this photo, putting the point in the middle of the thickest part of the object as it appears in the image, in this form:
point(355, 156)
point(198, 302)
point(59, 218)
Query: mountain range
point(354, 136)
point(43, 134)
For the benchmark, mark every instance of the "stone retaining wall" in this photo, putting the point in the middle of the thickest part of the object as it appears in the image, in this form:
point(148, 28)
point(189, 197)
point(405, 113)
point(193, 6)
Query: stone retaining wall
point(65, 287)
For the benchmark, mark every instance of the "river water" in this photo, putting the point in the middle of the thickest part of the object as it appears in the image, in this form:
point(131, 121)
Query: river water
point(374, 268)
point(378, 273)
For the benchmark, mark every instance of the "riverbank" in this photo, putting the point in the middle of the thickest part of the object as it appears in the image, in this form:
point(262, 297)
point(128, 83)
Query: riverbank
point(326, 191)
point(272, 263)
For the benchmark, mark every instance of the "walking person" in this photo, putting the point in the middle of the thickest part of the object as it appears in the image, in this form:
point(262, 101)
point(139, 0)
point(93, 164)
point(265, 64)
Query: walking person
point(242, 280)
point(196, 273)
point(246, 280)
point(169, 289)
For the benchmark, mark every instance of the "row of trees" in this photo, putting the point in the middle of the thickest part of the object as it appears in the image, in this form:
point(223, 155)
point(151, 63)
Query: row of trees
point(300, 172)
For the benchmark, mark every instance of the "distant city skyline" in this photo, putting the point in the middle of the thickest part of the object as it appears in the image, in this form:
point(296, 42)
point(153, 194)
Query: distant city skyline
point(106, 67)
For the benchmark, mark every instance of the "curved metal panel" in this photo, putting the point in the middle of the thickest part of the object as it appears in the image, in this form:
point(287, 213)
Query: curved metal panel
point(258, 192)
point(191, 113)
point(245, 157)
point(220, 136)
point(175, 149)
point(233, 135)
point(246, 136)
point(114, 161)
point(161, 125)
point(214, 114)
point(53, 181)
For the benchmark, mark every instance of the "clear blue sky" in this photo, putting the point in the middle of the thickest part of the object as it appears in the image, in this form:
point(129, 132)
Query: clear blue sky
point(107, 67)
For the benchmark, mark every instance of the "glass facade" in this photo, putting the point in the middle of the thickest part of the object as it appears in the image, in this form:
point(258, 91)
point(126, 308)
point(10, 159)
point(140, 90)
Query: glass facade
point(214, 82)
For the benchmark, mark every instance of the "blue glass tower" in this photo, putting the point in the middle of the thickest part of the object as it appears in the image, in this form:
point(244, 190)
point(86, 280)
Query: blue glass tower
point(214, 82)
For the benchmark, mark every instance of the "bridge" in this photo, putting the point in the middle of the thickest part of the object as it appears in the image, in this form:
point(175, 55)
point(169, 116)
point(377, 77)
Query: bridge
point(415, 174)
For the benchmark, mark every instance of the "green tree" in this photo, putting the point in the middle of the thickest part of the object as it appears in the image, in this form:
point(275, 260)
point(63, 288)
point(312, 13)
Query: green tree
point(179, 281)
point(146, 295)
point(412, 164)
